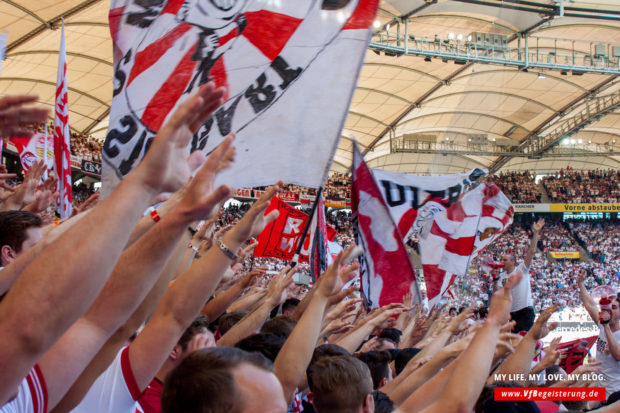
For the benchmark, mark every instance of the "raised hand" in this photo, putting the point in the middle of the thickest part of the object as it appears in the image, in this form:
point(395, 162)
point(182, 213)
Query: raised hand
point(499, 309)
point(540, 328)
point(332, 280)
point(14, 115)
point(200, 201)
point(165, 167)
point(276, 292)
point(538, 225)
point(581, 277)
point(552, 354)
point(26, 192)
point(250, 278)
point(253, 222)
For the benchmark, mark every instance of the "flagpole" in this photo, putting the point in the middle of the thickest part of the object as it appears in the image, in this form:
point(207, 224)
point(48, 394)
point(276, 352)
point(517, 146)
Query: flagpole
point(45, 153)
point(307, 226)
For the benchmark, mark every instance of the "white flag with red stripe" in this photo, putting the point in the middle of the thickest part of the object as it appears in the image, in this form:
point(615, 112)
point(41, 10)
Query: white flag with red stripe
point(414, 200)
point(386, 272)
point(62, 135)
point(289, 68)
point(458, 234)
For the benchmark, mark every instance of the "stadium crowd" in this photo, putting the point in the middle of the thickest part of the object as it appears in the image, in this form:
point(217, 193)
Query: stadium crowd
point(117, 310)
point(570, 186)
point(82, 145)
point(519, 187)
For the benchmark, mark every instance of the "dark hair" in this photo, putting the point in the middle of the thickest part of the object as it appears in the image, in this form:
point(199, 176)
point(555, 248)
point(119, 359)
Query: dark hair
point(228, 320)
point(392, 334)
point(204, 381)
point(326, 350)
point(483, 311)
point(339, 384)
point(13, 226)
point(290, 304)
point(403, 357)
point(282, 325)
point(267, 344)
point(383, 404)
point(198, 326)
point(378, 363)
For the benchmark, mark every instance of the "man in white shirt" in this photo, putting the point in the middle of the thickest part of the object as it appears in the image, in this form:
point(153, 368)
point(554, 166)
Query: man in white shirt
point(522, 310)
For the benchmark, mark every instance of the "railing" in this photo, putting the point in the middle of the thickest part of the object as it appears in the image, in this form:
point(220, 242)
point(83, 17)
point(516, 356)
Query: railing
point(574, 56)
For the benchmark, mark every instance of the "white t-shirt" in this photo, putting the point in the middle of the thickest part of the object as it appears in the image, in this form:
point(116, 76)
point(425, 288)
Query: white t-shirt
point(522, 293)
point(31, 395)
point(610, 368)
point(115, 391)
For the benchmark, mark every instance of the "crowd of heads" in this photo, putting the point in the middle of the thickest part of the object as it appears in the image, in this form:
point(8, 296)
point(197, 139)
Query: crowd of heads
point(594, 186)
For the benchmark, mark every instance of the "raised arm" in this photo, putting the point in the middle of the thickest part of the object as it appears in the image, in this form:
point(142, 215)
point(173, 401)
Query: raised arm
point(133, 277)
point(529, 255)
point(474, 364)
point(295, 355)
point(184, 299)
point(248, 325)
point(218, 305)
point(36, 311)
point(586, 299)
point(520, 361)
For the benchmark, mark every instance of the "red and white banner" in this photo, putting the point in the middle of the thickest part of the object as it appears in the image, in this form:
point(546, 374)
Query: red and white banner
point(32, 149)
point(280, 238)
point(414, 200)
point(458, 234)
point(290, 69)
point(62, 135)
point(386, 273)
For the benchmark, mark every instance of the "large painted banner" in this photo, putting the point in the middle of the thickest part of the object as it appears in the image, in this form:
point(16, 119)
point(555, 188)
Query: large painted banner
point(414, 200)
point(289, 67)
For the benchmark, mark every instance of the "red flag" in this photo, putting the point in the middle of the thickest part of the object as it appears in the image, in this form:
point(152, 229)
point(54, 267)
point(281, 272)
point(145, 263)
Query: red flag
point(576, 352)
point(386, 271)
point(280, 238)
point(62, 135)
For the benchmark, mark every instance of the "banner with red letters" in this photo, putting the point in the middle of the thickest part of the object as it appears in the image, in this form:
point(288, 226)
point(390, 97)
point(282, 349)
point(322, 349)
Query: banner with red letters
point(280, 238)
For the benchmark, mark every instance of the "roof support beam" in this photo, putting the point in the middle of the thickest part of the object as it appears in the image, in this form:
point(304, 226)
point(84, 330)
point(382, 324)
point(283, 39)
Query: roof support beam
point(415, 105)
point(47, 82)
point(51, 24)
point(80, 55)
point(27, 11)
point(97, 121)
point(502, 160)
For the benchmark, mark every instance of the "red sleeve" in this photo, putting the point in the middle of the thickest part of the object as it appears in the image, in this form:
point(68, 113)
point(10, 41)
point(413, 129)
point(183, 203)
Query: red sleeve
point(130, 380)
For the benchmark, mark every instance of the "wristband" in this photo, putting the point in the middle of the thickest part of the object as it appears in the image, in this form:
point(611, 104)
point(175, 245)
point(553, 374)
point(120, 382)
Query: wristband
point(226, 250)
point(190, 246)
point(155, 215)
point(192, 231)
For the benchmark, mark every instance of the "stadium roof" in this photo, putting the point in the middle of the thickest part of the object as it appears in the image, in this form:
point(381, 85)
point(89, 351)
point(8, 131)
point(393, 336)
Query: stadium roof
point(419, 114)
